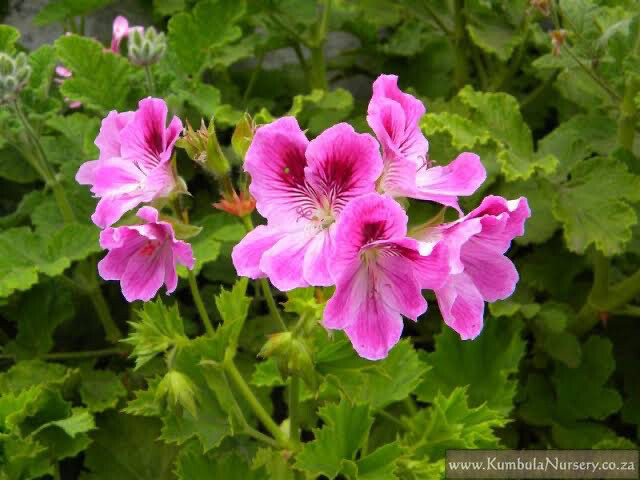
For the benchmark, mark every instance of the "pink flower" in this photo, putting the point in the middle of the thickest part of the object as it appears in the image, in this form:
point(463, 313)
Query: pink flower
point(395, 116)
point(120, 31)
point(379, 275)
point(143, 257)
point(479, 269)
point(135, 160)
point(301, 187)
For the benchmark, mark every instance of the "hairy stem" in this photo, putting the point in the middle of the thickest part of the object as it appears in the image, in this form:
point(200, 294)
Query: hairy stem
point(151, 85)
point(318, 64)
point(294, 406)
point(197, 298)
point(254, 403)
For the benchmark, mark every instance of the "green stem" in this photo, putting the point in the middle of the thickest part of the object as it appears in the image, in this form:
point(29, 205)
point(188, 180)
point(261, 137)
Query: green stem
point(113, 333)
point(255, 404)
point(49, 177)
point(461, 72)
point(273, 308)
point(303, 63)
point(197, 298)
point(600, 288)
point(266, 288)
point(393, 419)
point(107, 352)
point(629, 311)
point(253, 79)
point(614, 96)
point(151, 86)
point(318, 64)
point(294, 407)
point(252, 432)
point(516, 61)
point(536, 92)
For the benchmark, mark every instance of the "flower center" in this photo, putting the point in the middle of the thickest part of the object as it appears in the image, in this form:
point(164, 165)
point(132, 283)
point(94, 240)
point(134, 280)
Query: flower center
point(149, 247)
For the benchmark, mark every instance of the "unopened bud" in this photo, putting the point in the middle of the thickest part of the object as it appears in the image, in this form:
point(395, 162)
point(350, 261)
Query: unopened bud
point(178, 390)
point(238, 205)
point(14, 75)
point(146, 47)
point(292, 355)
point(243, 135)
point(203, 148)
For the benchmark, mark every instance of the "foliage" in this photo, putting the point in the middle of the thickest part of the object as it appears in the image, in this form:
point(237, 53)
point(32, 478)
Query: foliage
point(92, 387)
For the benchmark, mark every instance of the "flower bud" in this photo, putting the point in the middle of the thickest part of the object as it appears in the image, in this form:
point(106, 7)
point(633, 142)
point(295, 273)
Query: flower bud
point(14, 75)
point(146, 47)
point(179, 390)
point(558, 38)
point(242, 136)
point(238, 205)
point(203, 148)
point(292, 355)
point(543, 6)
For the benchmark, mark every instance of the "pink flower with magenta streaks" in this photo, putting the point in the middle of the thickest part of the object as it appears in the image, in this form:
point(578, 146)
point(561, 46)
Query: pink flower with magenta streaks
point(479, 269)
point(143, 257)
point(120, 31)
point(379, 275)
point(301, 188)
point(134, 166)
point(394, 116)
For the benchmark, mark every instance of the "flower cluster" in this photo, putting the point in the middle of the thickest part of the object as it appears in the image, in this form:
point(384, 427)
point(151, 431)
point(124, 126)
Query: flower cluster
point(332, 219)
point(134, 167)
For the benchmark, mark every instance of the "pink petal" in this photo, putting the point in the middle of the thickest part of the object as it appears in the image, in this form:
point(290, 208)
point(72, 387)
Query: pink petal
point(63, 71)
point(113, 265)
point(315, 267)
point(493, 274)
point(283, 263)
point(276, 162)
point(170, 276)
point(461, 177)
point(183, 253)
point(146, 140)
point(342, 164)
point(394, 116)
point(461, 306)
point(144, 275)
point(108, 140)
point(120, 30)
point(86, 172)
point(247, 254)
point(110, 208)
point(115, 175)
point(149, 214)
point(351, 291)
point(366, 219)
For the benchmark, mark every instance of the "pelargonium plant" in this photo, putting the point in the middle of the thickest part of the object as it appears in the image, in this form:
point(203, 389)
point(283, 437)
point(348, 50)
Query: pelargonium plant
point(333, 218)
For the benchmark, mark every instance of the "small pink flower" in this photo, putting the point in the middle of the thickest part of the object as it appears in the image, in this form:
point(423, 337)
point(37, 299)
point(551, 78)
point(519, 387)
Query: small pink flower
point(379, 275)
point(479, 269)
point(394, 116)
point(134, 166)
point(301, 187)
point(120, 31)
point(143, 257)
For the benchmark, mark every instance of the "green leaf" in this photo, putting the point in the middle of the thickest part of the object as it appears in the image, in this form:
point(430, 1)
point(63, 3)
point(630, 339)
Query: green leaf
point(38, 313)
point(168, 7)
point(484, 365)
point(500, 115)
point(593, 206)
point(464, 133)
point(26, 206)
point(33, 373)
point(233, 307)
point(158, 329)
point(101, 80)
point(136, 455)
point(212, 23)
point(27, 254)
point(15, 168)
point(42, 62)
point(384, 382)
point(192, 464)
point(451, 423)
point(274, 463)
point(80, 421)
point(100, 389)
point(582, 392)
point(80, 129)
point(345, 430)
point(267, 374)
point(204, 97)
point(8, 38)
point(381, 464)
point(320, 109)
point(212, 423)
